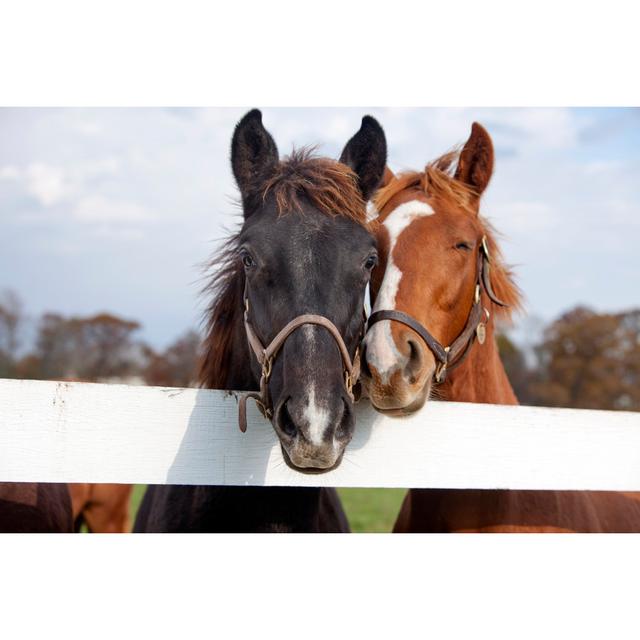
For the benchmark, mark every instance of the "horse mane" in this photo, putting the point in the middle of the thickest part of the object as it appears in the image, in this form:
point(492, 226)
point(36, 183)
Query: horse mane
point(329, 186)
point(438, 181)
point(223, 314)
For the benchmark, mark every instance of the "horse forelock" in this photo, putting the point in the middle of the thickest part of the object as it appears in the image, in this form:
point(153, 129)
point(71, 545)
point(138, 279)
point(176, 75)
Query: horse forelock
point(327, 185)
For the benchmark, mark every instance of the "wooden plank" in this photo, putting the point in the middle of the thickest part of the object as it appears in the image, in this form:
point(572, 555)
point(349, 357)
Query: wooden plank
point(77, 432)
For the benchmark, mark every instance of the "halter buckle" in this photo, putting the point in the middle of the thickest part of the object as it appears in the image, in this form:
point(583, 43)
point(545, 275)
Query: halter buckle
point(266, 368)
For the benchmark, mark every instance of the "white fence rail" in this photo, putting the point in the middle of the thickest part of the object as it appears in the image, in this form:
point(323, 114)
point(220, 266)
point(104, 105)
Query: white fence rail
point(78, 432)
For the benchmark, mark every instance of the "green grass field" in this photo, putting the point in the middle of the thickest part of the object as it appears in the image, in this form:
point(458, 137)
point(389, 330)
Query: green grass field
point(368, 510)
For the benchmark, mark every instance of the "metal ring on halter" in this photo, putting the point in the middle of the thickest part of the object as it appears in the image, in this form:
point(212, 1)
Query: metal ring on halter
point(441, 368)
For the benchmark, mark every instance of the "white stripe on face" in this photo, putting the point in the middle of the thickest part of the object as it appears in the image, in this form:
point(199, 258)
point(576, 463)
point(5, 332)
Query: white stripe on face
point(382, 352)
point(317, 418)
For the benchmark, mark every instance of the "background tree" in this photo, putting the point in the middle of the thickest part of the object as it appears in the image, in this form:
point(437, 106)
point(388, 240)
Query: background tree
point(591, 361)
point(176, 366)
point(11, 326)
point(515, 365)
point(92, 348)
point(584, 359)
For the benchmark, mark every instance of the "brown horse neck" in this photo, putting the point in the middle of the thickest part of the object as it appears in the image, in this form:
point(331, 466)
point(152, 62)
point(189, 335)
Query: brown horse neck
point(480, 377)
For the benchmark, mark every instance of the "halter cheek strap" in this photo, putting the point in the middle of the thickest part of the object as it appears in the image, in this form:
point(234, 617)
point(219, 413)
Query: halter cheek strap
point(450, 357)
point(266, 356)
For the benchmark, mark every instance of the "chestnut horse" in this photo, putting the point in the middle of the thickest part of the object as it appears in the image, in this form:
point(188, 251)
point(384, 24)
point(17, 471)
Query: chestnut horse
point(442, 281)
point(285, 324)
point(104, 508)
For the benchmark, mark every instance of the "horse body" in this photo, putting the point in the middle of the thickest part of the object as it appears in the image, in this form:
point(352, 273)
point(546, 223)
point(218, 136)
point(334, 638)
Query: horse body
point(430, 233)
point(304, 251)
point(482, 378)
point(104, 508)
point(207, 509)
point(35, 508)
point(212, 509)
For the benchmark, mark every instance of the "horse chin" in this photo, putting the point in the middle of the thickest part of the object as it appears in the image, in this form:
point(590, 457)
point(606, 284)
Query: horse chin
point(390, 405)
point(308, 466)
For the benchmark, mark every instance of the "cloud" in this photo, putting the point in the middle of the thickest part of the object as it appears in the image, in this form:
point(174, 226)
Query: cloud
point(92, 182)
point(89, 128)
point(48, 184)
point(53, 185)
point(547, 129)
point(9, 172)
point(522, 217)
point(99, 209)
point(602, 167)
point(618, 122)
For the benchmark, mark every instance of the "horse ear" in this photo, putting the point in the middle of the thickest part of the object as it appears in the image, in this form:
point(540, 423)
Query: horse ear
point(475, 165)
point(254, 155)
point(366, 154)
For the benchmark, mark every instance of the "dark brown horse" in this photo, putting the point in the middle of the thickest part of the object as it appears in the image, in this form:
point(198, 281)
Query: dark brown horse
point(35, 508)
point(441, 269)
point(304, 250)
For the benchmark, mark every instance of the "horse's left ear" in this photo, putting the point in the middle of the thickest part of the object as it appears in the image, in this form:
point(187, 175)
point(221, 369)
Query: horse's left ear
point(366, 154)
point(475, 165)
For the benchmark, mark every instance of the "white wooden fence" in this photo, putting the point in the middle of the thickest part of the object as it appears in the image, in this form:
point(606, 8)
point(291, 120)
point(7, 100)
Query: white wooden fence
point(78, 432)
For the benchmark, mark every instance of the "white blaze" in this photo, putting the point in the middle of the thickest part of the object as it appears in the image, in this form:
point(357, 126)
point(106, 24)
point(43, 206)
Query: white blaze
point(382, 352)
point(316, 417)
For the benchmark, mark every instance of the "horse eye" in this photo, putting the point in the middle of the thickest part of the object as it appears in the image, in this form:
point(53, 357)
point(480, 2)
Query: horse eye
point(371, 262)
point(463, 245)
point(247, 260)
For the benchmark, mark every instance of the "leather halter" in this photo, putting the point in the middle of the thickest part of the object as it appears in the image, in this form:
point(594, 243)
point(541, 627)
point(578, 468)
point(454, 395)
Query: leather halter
point(266, 355)
point(450, 357)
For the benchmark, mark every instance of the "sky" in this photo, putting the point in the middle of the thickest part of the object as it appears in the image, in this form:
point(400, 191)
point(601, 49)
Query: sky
point(117, 209)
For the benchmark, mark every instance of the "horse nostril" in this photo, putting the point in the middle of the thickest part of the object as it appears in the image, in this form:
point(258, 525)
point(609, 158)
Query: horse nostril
point(414, 363)
point(285, 421)
point(344, 430)
point(364, 365)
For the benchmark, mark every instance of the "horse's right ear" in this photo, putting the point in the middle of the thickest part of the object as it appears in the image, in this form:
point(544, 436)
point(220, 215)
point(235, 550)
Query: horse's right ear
point(253, 155)
point(366, 154)
point(475, 164)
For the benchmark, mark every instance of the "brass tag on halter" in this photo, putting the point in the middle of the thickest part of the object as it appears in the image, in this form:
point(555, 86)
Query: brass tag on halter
point(481, 332)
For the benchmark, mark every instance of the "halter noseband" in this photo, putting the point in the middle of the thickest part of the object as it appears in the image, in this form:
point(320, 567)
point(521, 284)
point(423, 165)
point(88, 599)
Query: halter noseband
point(450, 357)
point(266, 355)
